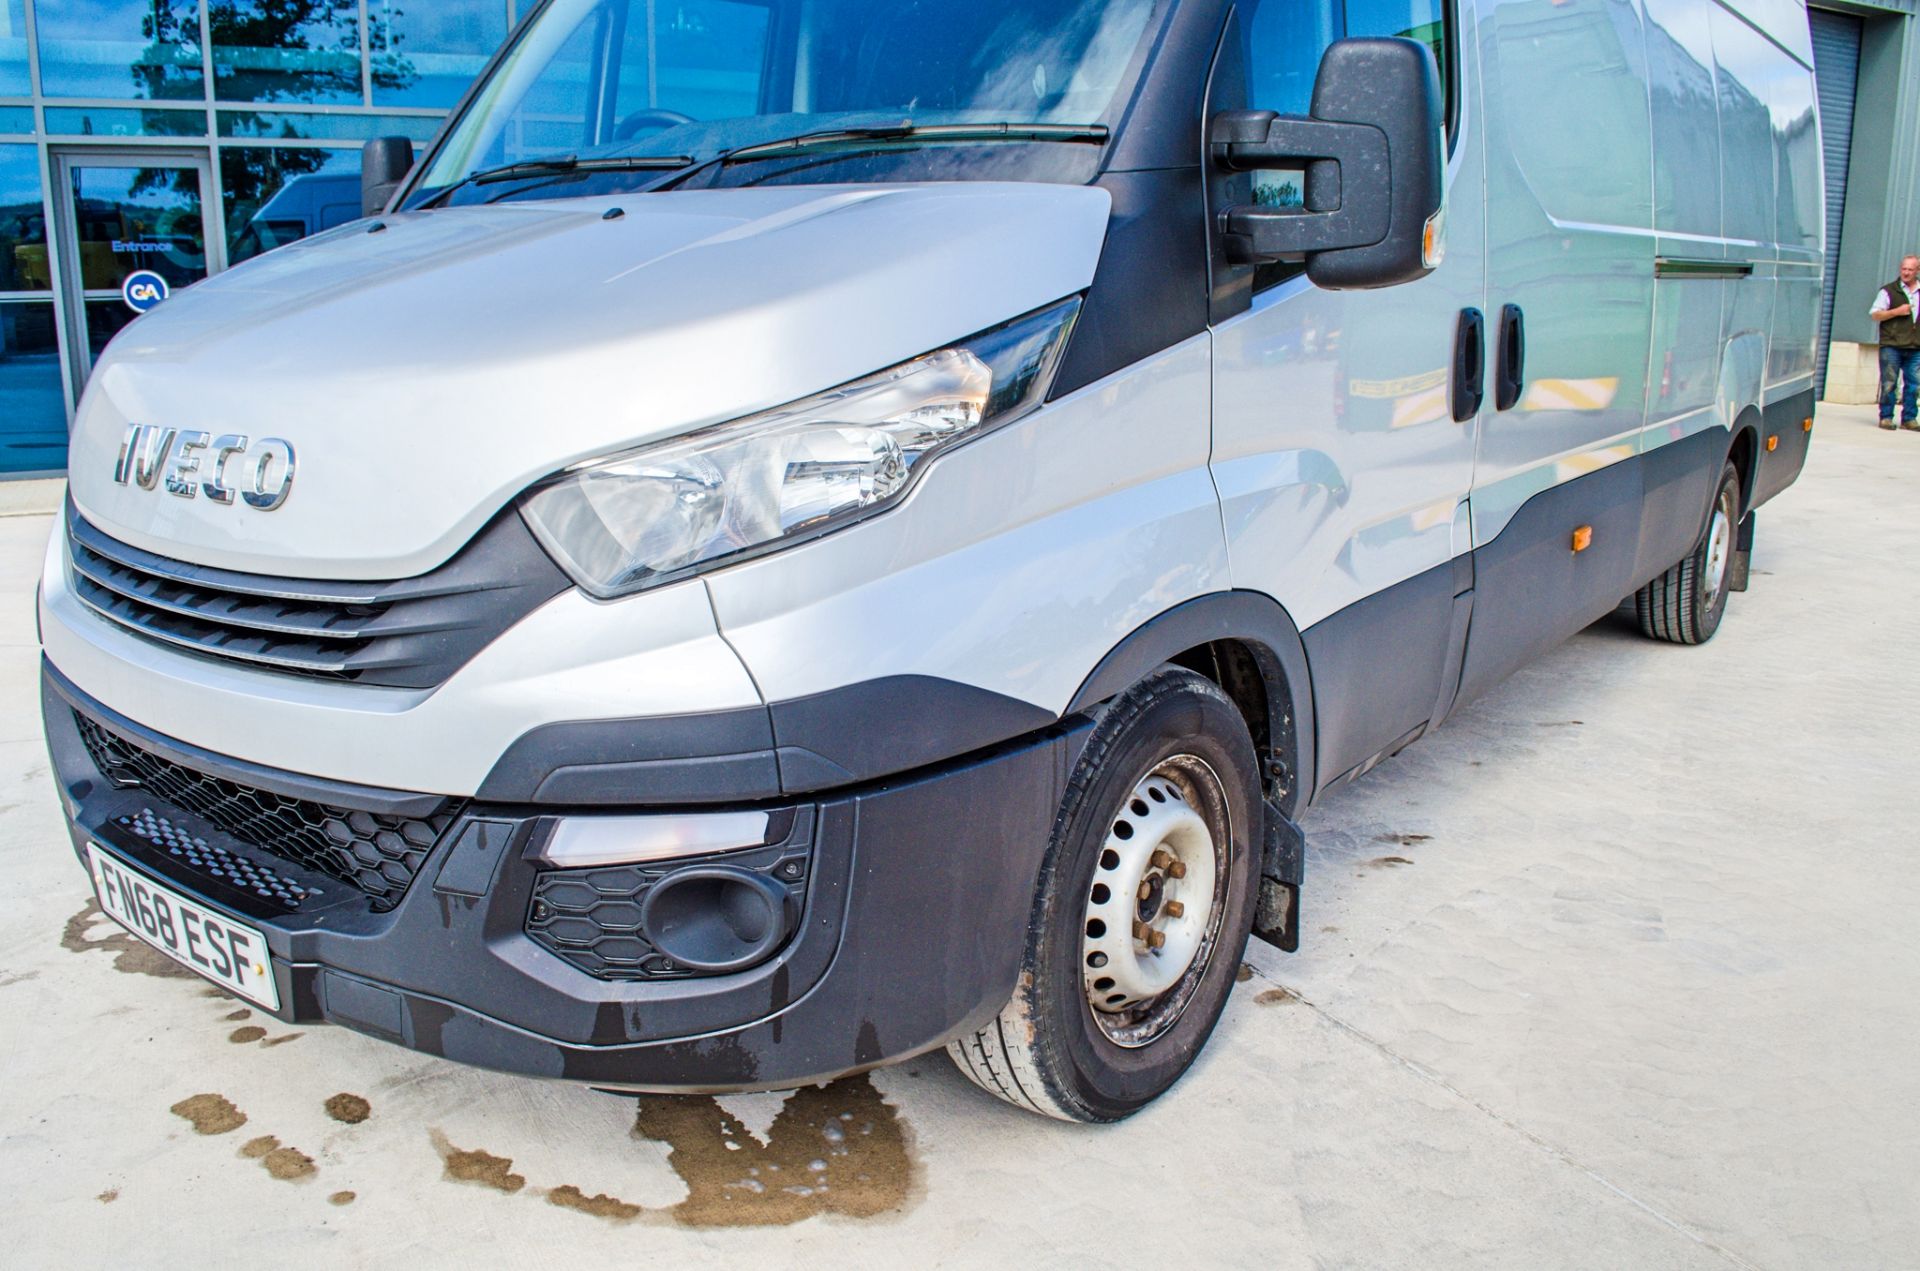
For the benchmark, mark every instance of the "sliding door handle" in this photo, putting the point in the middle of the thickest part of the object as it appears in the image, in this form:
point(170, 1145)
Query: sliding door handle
point(1469, 365)
point(1512, 374)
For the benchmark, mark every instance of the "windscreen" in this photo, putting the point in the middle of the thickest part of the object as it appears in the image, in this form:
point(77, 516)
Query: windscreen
point(593, 79)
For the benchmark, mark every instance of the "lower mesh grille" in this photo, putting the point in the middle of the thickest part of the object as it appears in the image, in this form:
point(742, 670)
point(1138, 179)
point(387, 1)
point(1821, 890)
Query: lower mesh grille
point(373, 852)
point(214, 861)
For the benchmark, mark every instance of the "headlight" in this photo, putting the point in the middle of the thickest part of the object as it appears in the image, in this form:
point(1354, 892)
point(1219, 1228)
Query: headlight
point(650, 515)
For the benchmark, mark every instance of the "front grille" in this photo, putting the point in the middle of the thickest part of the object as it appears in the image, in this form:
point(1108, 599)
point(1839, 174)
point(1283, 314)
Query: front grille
point(216, 862)
point(377, 853)
point(410, 633)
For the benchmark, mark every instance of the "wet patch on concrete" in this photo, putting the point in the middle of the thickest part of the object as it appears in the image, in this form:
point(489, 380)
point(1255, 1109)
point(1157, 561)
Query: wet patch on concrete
point(282, 1039)
point(1243, 973)
point(109, 1196)
point(8, 981)
point(348, 1109)
point(209, 1114)
point(284, 1163)
point(567, 1196)
point(1403, 840)
point(242, 1013)
point(341, 1198)
point(1559, 723)
point(251, 1033)
point(1388, 862)
point(833, 1149)
point(476, 1166)
point(1277, 997)
point(130, 953)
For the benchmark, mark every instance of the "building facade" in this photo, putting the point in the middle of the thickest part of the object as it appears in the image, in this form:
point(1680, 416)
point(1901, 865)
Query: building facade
point(179, 137)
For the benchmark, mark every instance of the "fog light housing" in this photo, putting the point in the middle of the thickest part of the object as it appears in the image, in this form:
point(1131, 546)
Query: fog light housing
point(716, 918)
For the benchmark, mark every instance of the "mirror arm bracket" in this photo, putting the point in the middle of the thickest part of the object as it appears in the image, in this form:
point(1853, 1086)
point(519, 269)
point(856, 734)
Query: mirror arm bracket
point(1333, 155)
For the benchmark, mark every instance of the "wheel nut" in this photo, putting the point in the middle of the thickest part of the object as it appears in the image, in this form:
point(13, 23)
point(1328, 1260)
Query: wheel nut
point(1155, 939)
point(1175, 909)
point(1146, 890)
point(1161, 858)
point(1177, 870)
point(1141, 931)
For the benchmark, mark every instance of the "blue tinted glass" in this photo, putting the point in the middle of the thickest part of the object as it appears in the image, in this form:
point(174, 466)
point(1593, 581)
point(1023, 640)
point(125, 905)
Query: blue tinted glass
point(286, 50)
point(16, 119)
point(427, 54)
point(121, 48)
point(108, 121)
point(33, 411)
point(291, 125)
point(23, 221)
point(274, 196)
point(1420, 20)
point(13, 49)
point(704, 61)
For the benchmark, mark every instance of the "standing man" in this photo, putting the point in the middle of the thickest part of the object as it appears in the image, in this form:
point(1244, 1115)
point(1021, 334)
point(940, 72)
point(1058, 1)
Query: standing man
point(1894, 309)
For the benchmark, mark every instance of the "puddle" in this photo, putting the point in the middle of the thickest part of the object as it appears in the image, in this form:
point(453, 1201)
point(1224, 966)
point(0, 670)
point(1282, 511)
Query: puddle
point(1388, 862)
point(348, 1109)
point(1243, 973)
point(109, 1196)
point(282, 1039)
point(284, 1163)
point(477, 1166)
point(1403, 840)
point(131, 954)
point(341, 1198)
point(1276, 997)
point(567, 1196)
point(242, 1013)
point(251, 1033)
point(210, 1114)
point(834, 1149)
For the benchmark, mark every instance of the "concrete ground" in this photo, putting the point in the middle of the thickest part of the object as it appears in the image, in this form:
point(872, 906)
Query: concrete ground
point(1617, 969)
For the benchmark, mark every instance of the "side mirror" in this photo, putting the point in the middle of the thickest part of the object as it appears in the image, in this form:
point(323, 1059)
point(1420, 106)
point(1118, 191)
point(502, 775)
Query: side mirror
point(1374, 159)
point(384, 164)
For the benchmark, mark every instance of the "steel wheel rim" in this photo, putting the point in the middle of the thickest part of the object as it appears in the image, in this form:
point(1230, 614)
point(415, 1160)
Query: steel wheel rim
point(1719, 546)
point(1156, 901)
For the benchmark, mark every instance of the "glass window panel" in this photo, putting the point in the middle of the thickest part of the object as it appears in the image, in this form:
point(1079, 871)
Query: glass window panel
point(1422, 20)
point(16, 119)
point(107, 121)
point(33, 410)
point(13, 49)
point(426, 55)
point(294, 126)
point(105, 319)
point(23, 221)
point(274, 196)
point(121, 48)
point(286, 50)
point(703, 60)
point(129, 219)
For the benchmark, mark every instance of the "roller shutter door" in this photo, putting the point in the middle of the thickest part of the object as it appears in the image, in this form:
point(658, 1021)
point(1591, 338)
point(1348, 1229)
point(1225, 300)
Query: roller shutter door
point(1836, 69)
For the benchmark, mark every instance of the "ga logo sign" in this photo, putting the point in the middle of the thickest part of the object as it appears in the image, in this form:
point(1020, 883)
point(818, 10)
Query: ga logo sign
point(143, 289)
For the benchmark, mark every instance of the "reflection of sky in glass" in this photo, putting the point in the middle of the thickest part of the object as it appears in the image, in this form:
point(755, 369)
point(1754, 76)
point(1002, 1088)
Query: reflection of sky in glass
point(23, 228)
point(425, 55)
point(13, 49)
point(102, 48)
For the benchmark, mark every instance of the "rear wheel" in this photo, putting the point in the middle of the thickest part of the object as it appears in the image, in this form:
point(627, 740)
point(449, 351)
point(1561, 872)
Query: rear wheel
point(1685, 604)
point(1142, 913)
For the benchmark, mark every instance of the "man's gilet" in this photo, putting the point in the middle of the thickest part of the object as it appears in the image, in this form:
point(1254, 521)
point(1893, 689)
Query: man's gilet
point(1899, 333)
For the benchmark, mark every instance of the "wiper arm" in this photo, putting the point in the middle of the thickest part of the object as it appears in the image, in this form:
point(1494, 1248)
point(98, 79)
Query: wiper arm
point(831, 138)
point(562, 165)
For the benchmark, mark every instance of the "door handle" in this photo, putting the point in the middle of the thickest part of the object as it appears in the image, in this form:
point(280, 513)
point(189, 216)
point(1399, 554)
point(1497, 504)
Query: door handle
point(1469, 365)
point(1512, 374)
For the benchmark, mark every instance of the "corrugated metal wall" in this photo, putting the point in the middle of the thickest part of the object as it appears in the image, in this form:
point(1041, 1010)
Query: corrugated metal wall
point(1836, 68)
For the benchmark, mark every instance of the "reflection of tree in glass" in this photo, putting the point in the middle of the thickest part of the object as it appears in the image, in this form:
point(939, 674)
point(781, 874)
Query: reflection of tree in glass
point(392, 68)
point(248, 178)
point(169, 68)
point(258, 43)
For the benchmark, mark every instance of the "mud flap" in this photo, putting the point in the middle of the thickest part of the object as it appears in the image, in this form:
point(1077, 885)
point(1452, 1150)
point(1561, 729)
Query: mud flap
point(1282, 869)
point(1738, 567)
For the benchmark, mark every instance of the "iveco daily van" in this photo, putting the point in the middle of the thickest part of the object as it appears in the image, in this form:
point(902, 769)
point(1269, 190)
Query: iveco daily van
point(806, 531)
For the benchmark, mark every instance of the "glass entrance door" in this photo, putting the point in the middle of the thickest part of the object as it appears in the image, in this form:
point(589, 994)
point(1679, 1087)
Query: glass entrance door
point(127, 219)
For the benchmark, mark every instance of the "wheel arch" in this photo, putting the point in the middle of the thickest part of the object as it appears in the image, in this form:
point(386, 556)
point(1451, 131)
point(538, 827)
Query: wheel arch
point(1246, 643)
point(1744, 453)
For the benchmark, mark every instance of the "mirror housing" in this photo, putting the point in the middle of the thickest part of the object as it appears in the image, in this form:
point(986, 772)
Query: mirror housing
point(384, 164)
point(1375, 158)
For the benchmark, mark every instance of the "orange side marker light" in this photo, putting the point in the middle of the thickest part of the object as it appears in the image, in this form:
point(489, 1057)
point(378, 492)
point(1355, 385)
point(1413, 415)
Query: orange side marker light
point(1806, 425)
point(1773, 443)
point(1583, 538)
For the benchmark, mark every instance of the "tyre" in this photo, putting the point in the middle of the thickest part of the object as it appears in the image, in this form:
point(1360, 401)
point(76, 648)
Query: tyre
point(1685, 604)
point(1142, 911)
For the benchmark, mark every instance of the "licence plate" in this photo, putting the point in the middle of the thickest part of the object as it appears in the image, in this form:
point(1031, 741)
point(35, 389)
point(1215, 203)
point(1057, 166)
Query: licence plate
point(229, 953)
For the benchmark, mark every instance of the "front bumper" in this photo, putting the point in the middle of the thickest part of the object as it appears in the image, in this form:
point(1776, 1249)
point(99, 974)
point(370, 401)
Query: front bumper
point(915, 910)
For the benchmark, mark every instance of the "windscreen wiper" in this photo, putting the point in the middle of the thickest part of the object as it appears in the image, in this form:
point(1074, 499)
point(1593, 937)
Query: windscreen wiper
point(834, 138)
point(563, 165)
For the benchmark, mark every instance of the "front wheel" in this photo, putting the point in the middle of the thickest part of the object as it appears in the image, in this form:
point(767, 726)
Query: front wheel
point(1142, 912)
point(1685, 604)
